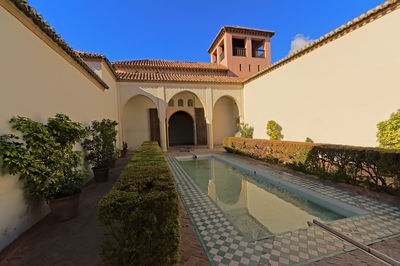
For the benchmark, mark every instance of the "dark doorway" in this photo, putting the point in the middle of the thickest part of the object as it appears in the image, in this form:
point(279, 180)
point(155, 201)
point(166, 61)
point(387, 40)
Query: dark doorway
point(180, 129)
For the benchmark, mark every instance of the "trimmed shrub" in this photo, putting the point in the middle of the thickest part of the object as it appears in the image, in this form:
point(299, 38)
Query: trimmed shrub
point(363, 166)
point(274, 130)
point(141, 213)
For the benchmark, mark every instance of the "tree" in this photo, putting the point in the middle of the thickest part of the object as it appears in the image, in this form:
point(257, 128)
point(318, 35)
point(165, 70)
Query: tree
point(43, 156)
point(245, 130)
point(274, 130)
point(389, 132)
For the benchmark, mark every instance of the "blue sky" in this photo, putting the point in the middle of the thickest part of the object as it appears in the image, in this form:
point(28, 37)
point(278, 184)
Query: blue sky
point(184, 29)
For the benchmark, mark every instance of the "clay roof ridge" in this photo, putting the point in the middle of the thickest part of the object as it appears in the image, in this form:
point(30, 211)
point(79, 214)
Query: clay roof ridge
point(130, 76)
point(38, 19)
point(89, 55)
point(346, 28)
point(159, 63)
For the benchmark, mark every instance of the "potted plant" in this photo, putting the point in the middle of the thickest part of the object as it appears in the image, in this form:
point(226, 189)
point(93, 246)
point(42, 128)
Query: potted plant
point(114, 158)
point(99, 146)
point(45, 161)
point(124, 149)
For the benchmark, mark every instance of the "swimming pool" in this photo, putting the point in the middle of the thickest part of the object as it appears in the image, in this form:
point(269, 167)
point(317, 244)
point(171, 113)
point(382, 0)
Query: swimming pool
point(260, 205)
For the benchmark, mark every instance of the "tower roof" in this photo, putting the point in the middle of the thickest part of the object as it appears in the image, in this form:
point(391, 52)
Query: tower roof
point(239, 29)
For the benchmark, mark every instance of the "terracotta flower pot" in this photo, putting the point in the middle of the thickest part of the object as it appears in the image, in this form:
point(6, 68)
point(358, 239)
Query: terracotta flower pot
point(100, 174)
point(65, 208)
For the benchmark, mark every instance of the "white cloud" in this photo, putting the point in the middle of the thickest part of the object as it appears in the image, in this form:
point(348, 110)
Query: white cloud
point(298, 42)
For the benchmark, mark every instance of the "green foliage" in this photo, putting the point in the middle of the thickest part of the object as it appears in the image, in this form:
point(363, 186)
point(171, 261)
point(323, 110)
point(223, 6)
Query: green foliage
point(274, 130)
point(369, 167)
point(44, 159)
point(141, 213)
point(100, 145)
point(245, 130)
point(309, 140)
point(389, 132)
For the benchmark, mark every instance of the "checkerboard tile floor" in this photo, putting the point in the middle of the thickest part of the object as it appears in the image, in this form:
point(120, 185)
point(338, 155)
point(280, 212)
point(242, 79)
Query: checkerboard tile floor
point(225, 246)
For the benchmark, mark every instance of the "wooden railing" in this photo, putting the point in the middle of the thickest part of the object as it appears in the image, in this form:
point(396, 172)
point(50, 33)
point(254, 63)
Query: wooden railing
point(238, 51)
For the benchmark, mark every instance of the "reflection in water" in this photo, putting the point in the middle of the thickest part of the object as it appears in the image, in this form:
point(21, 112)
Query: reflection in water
point(256, 208)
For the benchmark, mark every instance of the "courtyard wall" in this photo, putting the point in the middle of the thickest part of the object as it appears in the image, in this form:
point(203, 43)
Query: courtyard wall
point(335, 94)
point(38, 81)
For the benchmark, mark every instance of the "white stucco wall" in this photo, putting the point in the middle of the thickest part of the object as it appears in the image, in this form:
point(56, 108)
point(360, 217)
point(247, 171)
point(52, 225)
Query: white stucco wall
point(136, 121)
point(335, 94)
point(38, 82)
point(225, 117)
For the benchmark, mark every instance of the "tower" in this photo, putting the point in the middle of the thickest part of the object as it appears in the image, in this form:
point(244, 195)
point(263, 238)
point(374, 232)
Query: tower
point(244, 51)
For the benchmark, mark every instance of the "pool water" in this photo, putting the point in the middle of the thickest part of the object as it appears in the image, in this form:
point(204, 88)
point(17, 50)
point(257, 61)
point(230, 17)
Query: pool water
point(257, 208)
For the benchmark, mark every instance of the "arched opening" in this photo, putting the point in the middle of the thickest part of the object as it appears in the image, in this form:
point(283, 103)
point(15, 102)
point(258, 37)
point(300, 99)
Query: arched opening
point(140, 121)
point(189, 103)
point(181, 129)
point(225, 118)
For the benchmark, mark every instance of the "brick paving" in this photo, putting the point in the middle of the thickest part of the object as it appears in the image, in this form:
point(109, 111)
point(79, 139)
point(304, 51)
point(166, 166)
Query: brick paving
point(73, 242)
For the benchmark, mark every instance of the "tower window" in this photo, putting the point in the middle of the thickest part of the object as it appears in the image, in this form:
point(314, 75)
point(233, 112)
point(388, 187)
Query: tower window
point(240, 67)
point(180, 102)
point(258, 68)
point(249, 68)
point(171, 103)
point(190, 102)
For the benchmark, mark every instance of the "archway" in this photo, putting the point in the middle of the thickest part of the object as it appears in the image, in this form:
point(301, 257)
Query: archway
point(140, 121)
point(225, 118)
point(181, 129)
point(189, 103)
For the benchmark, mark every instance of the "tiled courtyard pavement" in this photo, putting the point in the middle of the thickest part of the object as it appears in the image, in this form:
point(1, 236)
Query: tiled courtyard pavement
point(226, 246)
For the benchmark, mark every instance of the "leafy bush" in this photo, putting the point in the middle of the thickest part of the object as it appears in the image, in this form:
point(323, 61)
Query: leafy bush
point(389, 132)
point(45, 160)
point(141, 213)
point(373, 167)
point(100, 145)
point(245, 130)
point(309, 140)
point(274, 130)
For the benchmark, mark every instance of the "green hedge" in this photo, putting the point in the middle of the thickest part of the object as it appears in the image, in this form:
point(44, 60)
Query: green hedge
point(141, 213)
point(363, 166)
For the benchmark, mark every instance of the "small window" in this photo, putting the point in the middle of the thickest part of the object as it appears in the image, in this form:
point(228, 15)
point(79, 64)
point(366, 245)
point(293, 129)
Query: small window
point(258, 68)
point(249, 68)
point(240, 67)
point(180, 102)
point(190, 102)
point(171, 103)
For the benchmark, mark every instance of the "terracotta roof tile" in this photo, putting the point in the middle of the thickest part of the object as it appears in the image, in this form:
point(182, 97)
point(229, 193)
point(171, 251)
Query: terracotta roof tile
point(91, 55)
point(155, 63)
point(129, 76)
point(31, 13)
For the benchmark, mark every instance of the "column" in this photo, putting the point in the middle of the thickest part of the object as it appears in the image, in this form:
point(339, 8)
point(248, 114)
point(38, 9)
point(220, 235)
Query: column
point(162, 108)
point(209, 117)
